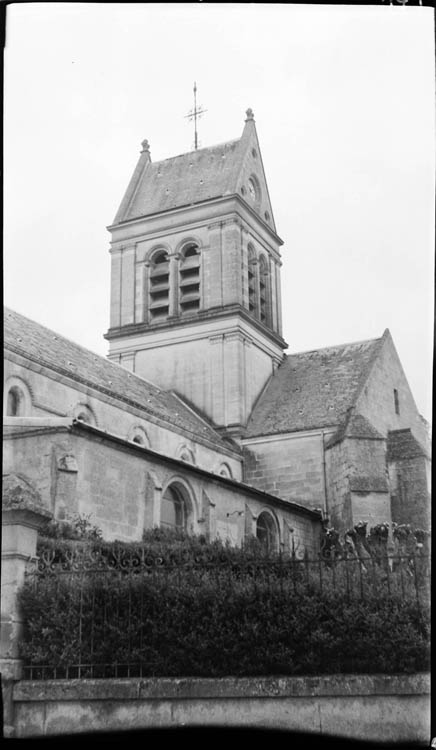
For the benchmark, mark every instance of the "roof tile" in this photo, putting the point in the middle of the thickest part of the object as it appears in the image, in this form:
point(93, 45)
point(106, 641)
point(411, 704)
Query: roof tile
point(313, 389)
point(185, 179)
point(403, 445)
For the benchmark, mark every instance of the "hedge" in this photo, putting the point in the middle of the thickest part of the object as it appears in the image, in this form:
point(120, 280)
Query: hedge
point(165, 545)
point(212, 624)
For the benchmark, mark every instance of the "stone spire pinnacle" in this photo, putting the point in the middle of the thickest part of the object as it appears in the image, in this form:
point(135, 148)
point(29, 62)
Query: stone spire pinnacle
point(250, 115)
point(145, 152)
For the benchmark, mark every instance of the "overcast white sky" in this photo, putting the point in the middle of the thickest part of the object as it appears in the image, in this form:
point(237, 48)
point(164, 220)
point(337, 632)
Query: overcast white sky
point(343, 99)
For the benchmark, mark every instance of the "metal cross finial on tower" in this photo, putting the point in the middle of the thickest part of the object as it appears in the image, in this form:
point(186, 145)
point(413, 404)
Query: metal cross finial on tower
point(194, 114)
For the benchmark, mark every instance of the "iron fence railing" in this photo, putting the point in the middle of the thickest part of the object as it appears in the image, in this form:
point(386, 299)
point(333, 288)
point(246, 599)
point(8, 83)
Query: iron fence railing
point(100, 589)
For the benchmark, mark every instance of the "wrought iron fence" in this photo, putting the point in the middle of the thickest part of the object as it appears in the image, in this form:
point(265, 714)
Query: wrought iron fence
point(97, 593)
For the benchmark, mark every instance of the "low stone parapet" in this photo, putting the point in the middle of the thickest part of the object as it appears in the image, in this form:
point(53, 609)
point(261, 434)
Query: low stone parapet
point(387, 708)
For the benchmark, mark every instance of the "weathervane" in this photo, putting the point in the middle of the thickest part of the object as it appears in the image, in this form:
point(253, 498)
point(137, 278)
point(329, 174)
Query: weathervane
point(194, 114)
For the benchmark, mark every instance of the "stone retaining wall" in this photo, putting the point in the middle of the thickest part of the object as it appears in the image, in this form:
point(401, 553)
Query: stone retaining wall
point(393, 708)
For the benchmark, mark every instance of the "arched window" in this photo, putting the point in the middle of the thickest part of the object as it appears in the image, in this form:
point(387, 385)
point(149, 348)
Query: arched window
point(266, 532)
point(159, 286)
point(264, 292)
point(138, 435)
point(189, 278)
point(17, 398)
point(173, 509)
point(187, 456)
point(252, 282)
point(225, 471)
point(15, 402)
point(83, 413)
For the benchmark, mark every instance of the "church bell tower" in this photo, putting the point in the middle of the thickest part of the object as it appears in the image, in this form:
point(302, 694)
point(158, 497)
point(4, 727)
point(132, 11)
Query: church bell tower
point(195, 278)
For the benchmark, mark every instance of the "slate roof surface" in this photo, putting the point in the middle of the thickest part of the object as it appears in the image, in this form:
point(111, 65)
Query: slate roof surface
point(359, 427)
point(313, 389)
point(188, 178)
point(44, 346)
point(355, 426)
point(402, 444)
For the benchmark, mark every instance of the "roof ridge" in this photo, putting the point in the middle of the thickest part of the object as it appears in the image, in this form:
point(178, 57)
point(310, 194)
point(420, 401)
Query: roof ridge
point(196, 151)
point(370, 364)
point(334, 346)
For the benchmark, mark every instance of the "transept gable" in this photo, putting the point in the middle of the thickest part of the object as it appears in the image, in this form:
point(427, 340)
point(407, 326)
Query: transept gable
point(314, 389)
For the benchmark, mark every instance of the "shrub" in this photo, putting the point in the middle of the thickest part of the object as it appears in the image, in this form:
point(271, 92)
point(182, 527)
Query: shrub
point(166, 546)
point(77, 527)
point(217, 621)
point(178, 605)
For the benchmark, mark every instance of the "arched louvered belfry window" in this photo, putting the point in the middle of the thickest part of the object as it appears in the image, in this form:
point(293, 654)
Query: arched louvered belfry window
point(264, 292)
point(159, 285)
point(253, 304)
point(189, 278)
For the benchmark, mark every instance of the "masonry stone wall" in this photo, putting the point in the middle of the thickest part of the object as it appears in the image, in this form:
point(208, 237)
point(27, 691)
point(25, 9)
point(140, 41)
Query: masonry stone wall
point(377, 404)
point(367, 457)
point(338, 469)
point(377, 708)
point(290, 467)
point(410, 497)
point(371, 508)
point(120, 485)
point(210, 366)
point(52, 395)
point(222, 374)
point(182, 366)
point(363, 460)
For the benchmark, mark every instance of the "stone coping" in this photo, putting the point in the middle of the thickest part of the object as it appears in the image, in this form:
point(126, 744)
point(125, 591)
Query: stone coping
point(163, 688)
point(25, 514)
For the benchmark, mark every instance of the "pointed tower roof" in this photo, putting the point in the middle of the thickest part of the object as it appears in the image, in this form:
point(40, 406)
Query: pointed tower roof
point(233, 167)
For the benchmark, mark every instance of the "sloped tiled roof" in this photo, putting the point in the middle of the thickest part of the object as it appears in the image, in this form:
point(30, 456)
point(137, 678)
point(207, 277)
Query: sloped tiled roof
point(402, 444)
point(185, 179)
point(355, 426)
point(313, 389)
point(198, 176)
point(44, 346)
